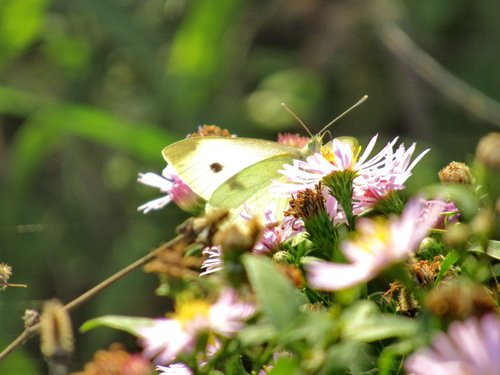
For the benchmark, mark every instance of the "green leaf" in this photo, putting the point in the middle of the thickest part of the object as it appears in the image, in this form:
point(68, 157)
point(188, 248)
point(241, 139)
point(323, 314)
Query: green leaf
point(279, 300)
point(390, 359)
point(233, 366)
point(199, 50)
point(256, 334)
point(46, 130)
point(493, 249)
point(128, 324)
point(285, 366)
point(451, 258)
point(313, 327)
point(20, 23)
point(347, 357)
point(363, 322)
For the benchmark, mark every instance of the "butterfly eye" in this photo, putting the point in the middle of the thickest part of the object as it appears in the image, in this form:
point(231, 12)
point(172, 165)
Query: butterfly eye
point(216, 167)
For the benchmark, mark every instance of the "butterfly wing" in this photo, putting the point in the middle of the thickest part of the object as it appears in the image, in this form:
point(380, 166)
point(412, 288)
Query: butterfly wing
point(205, 163)
point(249, 188)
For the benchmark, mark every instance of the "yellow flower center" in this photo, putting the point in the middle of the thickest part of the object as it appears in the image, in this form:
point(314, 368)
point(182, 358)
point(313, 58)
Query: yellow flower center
point(187, 311)
point(377, 237)
point(326, 150)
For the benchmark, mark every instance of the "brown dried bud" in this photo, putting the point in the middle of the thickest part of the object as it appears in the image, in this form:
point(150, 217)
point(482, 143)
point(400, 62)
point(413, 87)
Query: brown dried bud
point(293, 273)
point(460, 300)
point(488, 151)
point(404, 302)
point(307, 203)
point(30, 318)
point(5, 274)
point(116, 361)
point(456, 173)
point(55, 331)
point(210, 131)
point(240, 238)
point(173, 262)
point(426, 271)
point(202, 229)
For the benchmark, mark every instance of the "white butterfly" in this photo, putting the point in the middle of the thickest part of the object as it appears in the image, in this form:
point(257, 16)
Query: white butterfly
point(233, 172)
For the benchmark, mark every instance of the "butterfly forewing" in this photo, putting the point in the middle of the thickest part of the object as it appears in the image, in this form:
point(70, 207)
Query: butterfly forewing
point(205, 163)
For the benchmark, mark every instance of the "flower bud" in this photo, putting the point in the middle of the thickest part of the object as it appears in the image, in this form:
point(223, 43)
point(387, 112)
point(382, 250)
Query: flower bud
point(428, 244)
point(456, 234)
point(239, 238)
point(456, 173)
point(487, 168)
point(488, 151)
point(281, 257)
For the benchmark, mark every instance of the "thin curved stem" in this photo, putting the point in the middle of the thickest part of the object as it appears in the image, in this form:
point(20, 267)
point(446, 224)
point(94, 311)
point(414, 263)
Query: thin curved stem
point(431, 71)
point(30, 331)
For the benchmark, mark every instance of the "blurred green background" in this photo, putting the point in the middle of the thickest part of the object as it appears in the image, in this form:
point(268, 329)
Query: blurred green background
point(92, 90)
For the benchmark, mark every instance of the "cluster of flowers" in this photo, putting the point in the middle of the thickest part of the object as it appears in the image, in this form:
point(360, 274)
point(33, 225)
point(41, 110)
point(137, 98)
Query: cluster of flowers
point(370, 180)
point(345, 226)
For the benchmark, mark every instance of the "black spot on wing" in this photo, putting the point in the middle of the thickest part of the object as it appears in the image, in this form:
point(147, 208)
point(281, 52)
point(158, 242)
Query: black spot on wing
point(216, 167)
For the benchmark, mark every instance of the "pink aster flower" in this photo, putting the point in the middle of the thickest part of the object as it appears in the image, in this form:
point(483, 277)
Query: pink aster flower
point(180, 368)
point(294, 140)
point(305, 174)
point(175, 369)
point(379, 244)
point(275, 233)
point(469, 347)
point(449, 213)
point(386, 175)
point(228, 315)
point(174, 189)
point(168, 337)
point(164, 340)
point(213, 262)
point(375, 177)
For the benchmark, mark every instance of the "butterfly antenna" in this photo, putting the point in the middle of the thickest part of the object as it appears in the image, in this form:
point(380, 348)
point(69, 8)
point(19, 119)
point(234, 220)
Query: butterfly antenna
point(360, 101)
point(297, 118)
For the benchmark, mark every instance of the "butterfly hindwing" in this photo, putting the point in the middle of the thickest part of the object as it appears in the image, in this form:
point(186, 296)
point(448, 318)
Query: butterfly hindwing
point(249, 188)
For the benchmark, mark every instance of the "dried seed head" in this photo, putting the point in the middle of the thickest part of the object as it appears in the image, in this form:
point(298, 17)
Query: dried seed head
point(460, 300)
point(5, 274)
point(427, 271)
point(202, 229)
point(30, 318)
point(307, 204)
point(241, 238)
point(116, 361)
point(404, 302)
point(210, 131)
